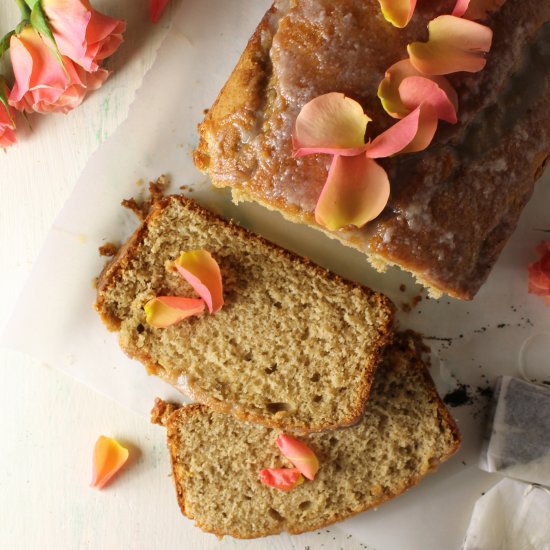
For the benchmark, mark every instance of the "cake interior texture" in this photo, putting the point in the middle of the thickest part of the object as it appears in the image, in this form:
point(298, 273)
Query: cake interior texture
point(405, 433)
point(294, 346)
point(452, 207)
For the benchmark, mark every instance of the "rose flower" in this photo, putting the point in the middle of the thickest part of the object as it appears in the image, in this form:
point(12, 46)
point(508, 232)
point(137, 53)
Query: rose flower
point(82, 33)
point(7, 118)
point(43, 82)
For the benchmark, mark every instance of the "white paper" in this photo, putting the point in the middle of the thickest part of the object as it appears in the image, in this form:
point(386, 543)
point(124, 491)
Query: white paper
point(55, 321)
point(511, 516)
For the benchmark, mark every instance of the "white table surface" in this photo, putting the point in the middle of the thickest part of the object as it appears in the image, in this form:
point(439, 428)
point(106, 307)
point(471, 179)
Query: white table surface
point(49, 422)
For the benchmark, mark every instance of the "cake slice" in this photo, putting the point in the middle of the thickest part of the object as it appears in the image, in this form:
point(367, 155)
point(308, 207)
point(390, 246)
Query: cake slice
point(293, 347)
point(452, 207)
point(216, 459)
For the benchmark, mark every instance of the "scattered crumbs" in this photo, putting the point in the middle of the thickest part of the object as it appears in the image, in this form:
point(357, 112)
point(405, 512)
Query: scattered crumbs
point(94, 284)
point(546, 382)
point(402, 288)
point(461, 335)
point(405, 307)
point(108, 249)
point(205, 111)
point(482, 494)
point(464, 463)
point(459, 397)
point(486, 391)
point(140, 182)
point(138, 209)
point(502, 325)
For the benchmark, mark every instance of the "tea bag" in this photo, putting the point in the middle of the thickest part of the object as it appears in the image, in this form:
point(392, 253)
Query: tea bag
point(517, 442)
point(511, 516)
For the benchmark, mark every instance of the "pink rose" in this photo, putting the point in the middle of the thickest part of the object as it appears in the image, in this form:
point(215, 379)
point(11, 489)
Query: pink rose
point(539, 273)
point(7, 118)
point(42, 84)
point(156, 9)
point(81, 33)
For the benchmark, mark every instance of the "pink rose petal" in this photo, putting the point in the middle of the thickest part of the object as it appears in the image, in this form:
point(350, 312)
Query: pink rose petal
point(398, 12)
point(331, 123)
point(389, 89)
point(301, 456)
point(419, 90)
point(460, 8)
point(411, 134)
point(156, 9)
point(356, 191)
point(455, 45)
point(165, 311)
point(109, 457)
point(539, 273)
point(7, 117)
point(202, 272)
point(476, 9)
point(284, 479)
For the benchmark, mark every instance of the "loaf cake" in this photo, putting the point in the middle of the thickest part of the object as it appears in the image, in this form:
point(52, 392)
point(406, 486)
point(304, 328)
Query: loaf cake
point(453, 206)
point(216, 459)
point(294, 346)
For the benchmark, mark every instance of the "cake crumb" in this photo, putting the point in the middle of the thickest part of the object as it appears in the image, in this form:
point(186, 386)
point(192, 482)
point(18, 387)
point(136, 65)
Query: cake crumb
point(108, 249)
point(157, 190)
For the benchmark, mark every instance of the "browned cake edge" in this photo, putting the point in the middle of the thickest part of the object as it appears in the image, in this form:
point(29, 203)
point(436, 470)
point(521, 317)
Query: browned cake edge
point(378, 301)
point(248, 75)
point(407, 342)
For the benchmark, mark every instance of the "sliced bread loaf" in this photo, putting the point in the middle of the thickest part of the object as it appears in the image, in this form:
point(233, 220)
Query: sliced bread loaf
point(293, 347)
point(405, 433)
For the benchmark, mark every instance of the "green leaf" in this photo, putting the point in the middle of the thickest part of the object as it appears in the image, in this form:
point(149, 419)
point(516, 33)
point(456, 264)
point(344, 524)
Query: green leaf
point(39, 22)
point(21, 25)
point(24, 9)
point(31, 3)
point(5, 43)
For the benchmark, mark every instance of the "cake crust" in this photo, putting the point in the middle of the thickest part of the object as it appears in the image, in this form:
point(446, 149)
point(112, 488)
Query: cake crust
point(454, 206)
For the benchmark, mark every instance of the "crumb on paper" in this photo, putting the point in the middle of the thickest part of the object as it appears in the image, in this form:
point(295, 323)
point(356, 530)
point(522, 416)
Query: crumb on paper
point(157, 191)
point(108, 249)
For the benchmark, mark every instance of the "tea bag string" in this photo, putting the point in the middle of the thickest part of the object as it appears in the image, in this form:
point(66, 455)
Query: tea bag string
point(521, 359)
